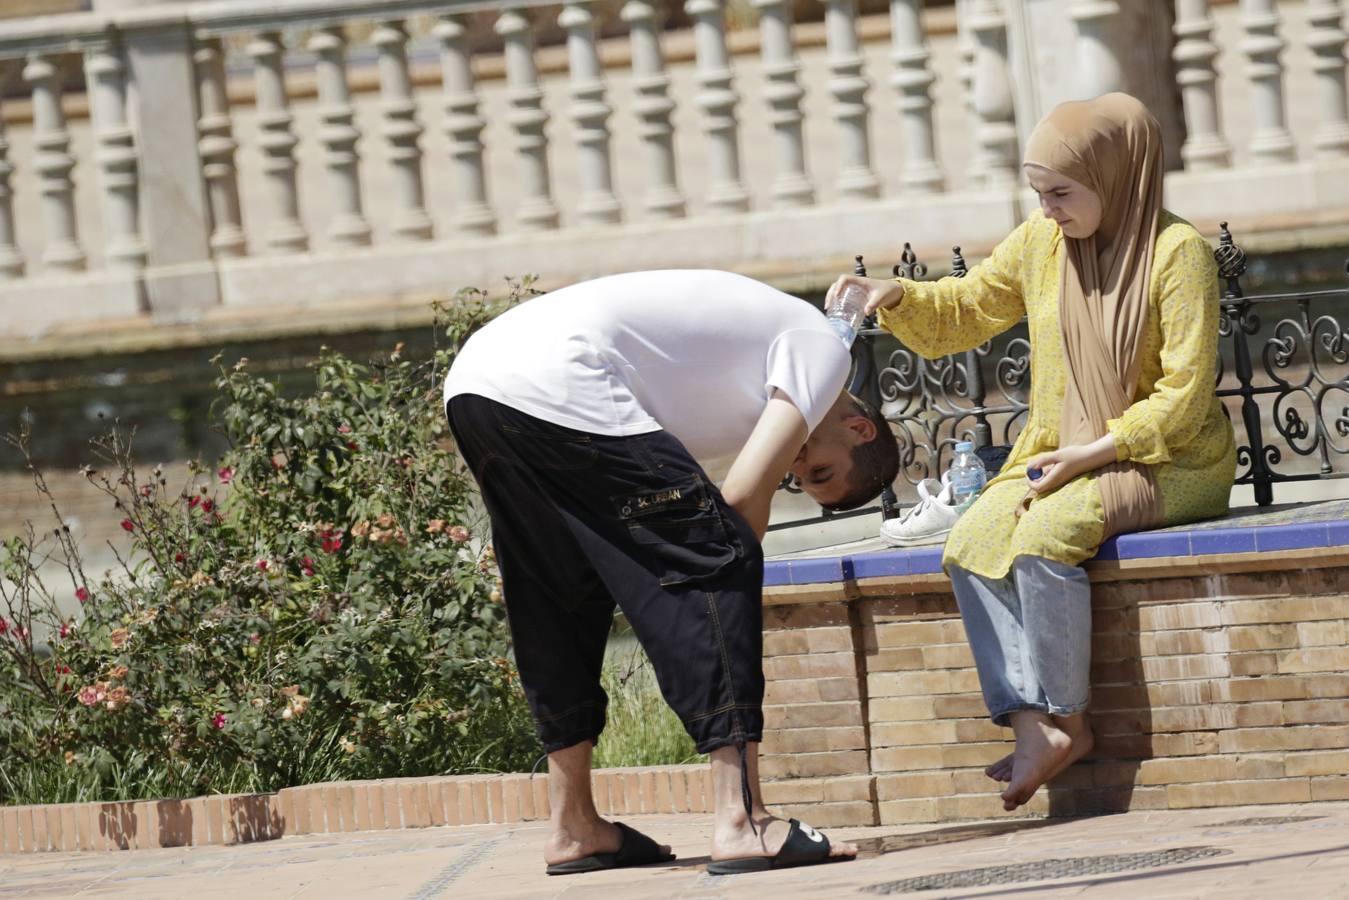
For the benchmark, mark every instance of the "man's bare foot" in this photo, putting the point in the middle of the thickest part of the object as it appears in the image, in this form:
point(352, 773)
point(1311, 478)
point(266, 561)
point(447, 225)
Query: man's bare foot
point(581, 839)
point(734, 840)
point(1002, 769)
point(1041, 747)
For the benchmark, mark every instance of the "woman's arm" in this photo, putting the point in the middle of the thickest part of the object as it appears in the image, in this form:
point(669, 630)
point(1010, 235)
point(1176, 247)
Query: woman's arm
point(1152, 429)
point(951, 315)
point(1058, 467)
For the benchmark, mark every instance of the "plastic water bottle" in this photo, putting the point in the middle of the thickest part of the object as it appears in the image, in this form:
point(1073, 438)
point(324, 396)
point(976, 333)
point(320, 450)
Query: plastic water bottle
point(845, 313)
point(967, 476)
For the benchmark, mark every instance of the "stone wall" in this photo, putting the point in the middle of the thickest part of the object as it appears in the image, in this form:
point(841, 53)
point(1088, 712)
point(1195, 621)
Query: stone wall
point(1216, 681)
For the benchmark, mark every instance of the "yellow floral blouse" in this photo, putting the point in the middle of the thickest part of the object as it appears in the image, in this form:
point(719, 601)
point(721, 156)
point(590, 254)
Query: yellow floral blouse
point(1176, 422)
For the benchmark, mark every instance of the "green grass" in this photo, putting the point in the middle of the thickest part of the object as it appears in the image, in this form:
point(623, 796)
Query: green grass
point(641, 730)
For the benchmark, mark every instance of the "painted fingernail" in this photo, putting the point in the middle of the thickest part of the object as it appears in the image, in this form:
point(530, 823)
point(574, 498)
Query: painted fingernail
point(1034, 473)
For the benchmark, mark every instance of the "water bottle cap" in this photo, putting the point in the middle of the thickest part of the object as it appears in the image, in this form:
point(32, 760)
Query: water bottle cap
point(965, 447)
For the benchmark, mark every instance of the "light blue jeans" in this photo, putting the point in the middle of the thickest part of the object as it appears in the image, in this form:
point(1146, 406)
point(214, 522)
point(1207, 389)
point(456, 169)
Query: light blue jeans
point(1031, 636)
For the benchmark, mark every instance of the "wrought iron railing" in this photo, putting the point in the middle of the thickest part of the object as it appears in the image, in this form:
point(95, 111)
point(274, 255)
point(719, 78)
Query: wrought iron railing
point(1294, 407)
point(1305, 374)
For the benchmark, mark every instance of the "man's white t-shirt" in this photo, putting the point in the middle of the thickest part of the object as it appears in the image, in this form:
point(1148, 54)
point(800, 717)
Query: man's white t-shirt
point(696, 353)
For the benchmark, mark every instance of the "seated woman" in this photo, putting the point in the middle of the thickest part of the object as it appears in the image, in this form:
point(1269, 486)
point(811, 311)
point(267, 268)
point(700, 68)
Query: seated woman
point(1124, 426)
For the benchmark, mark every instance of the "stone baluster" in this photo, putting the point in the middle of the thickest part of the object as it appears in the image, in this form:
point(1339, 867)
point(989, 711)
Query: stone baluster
point(277, 140)
point(1098, 62)
point(402, 131)
point(463, 128)
point(116, 156)
point(1204, 147)
point(339, 135)
point(966, 47)
point(653, 107)
point(53, 163)
point(791, 186)
point(1271, 141)
point(1326, 37)
point(528, 118)
point(912, 81)
point(590, 112)
point(11, 261)
point(996, 128)
point(849, 87)
point(717, 99)
point(216, 145)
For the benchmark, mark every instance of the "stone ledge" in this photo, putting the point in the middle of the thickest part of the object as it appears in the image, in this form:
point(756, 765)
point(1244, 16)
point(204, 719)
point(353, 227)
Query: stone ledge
point(347, 806)
point(1245, 545)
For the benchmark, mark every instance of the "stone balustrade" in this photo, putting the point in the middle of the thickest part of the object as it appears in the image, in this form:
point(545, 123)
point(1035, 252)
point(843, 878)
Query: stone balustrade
point(355, 155)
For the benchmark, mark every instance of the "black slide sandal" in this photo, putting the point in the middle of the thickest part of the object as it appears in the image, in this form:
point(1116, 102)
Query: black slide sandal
point(637, 850)
point(804, 847)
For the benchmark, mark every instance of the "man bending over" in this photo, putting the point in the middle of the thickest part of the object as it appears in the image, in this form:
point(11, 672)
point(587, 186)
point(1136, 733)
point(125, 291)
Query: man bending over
point(587, 416)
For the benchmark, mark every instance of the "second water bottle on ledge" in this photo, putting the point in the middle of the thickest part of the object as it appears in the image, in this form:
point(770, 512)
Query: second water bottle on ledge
point(968, 476)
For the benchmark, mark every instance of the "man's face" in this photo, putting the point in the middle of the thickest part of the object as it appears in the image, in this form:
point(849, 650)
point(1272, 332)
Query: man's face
point(825, 462)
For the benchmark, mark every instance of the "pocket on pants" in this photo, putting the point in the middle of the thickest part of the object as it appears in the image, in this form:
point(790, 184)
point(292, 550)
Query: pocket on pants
point(679, 530)
point(558, 449)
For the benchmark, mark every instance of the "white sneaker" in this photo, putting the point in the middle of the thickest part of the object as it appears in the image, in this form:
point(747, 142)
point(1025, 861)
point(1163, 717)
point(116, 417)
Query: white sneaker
point(927, 522)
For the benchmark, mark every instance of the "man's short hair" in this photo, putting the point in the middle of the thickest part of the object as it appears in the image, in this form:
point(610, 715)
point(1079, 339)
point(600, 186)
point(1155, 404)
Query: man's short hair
point(875, 464)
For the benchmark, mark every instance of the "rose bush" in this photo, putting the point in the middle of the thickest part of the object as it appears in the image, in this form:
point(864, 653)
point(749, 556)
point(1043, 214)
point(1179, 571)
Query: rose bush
point(313, 605)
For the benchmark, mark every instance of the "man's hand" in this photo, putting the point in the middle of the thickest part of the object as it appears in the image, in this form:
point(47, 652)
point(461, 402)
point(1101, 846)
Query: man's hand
point(1058, 467)
point(881, 294)
point(758, 469)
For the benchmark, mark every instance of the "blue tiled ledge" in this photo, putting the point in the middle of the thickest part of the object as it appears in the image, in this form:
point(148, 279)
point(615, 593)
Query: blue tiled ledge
point(1204, 541)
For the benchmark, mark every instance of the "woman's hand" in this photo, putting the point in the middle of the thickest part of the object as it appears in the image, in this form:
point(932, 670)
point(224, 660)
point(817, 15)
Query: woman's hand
point(1058, 467)
point(881, 294)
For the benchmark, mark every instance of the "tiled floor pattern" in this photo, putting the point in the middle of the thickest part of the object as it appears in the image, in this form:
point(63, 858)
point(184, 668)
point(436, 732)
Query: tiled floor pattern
point(1289, 852)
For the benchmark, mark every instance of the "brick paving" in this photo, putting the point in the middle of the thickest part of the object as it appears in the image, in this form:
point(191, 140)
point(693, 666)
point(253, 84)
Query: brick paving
point(1288, 851)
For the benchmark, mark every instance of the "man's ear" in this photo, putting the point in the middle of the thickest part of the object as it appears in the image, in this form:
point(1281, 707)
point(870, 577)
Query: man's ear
point(863, 427)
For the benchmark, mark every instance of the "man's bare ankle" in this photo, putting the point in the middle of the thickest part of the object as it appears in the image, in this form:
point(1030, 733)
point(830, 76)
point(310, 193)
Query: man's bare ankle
point(738, 822)
point(581, 827)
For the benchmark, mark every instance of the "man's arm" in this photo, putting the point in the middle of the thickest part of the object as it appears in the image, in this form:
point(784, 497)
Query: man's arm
point(758, 469)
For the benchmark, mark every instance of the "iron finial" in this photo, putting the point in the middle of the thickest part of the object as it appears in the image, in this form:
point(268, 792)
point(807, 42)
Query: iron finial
point(908, 266)
point(958, 267)
point(1231, 261)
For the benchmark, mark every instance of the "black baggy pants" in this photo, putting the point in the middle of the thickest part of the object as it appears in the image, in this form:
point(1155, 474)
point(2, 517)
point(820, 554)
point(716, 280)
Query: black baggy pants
point(583, 521)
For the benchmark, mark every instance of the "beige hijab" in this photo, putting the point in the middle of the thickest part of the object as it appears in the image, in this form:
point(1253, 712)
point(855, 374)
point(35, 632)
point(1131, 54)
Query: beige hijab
point(1112, 145)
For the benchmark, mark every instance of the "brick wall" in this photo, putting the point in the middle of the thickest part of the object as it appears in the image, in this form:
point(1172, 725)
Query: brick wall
point(340, 807)
point(1209, 688)
point(814, 753)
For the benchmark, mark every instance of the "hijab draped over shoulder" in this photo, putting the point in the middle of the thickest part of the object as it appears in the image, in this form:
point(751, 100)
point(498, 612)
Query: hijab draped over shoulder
point(1112, 145)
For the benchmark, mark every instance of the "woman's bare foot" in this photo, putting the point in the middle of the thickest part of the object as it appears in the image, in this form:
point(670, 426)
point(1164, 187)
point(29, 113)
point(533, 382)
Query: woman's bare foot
point(1041, 747)
point(577, 840)
point(1002, 769)
point(733, 839)
point(1079, 733)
